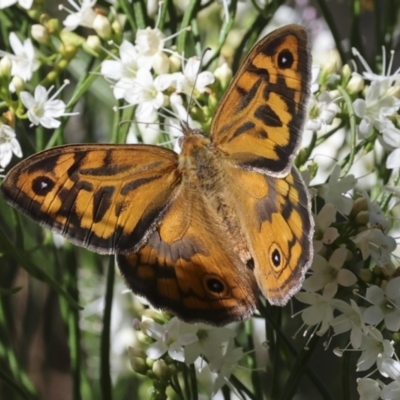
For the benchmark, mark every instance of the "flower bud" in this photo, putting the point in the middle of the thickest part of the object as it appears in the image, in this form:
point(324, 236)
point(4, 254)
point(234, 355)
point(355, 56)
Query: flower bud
point(102, 26)
point(175, 62)
point(355, 85)
point(116, 27)
point(360, 204)
point(346, 72)
point(17, 84)
point(160, 63)
point(224, 74)
point(5, 66)
point(331, 66)
point(394, 91)
point(161, 370)
point(40, 33)
point(365, 274)
point(362, 218)
point(92, 45)
point(137, 359)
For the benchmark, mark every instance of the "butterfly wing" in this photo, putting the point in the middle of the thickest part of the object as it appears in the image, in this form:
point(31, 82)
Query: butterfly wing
point(104, 197)
point(278, 226)
point(260, 119)
point(187, 267)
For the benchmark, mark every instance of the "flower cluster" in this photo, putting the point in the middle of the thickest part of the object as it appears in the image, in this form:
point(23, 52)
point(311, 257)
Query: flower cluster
point(352, 286)
point(142, 76)
point(174, 344)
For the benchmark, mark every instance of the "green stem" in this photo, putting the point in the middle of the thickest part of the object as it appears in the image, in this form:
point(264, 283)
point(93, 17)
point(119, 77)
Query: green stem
point(16, 387)
point(353, 131)
point(251, 360)
point(81, 88)
point(128, 11)
point(105, 376)
point(193, 383)
point(139, 10)
point(299, 369)
point(25, 262)
point(332, 27)
point(189, 14)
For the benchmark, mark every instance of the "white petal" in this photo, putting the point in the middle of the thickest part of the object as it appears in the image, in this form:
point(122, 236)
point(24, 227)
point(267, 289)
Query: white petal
point(360, 107)
point(54, 108)
point(5, 156)
point(392, 321)
point(156, 350)
point(27, 4)
point(40, 94)
point(16, 44)
point(346, 278)
point(373, 315)
point(393, 160)
point(27, 99)
point(392, 289)
point(6, 3)
point(111, 69)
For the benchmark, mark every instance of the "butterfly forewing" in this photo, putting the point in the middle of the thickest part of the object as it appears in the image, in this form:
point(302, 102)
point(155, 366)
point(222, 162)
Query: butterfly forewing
point(260, 119)
point(107, 198)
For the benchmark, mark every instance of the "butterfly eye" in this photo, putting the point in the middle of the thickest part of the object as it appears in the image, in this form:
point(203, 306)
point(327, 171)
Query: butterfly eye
point(276, 257)
point(42, 185)
point(285, 59)
point(214, 285)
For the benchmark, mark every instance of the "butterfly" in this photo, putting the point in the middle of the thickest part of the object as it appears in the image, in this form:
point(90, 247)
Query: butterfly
point(202, 232)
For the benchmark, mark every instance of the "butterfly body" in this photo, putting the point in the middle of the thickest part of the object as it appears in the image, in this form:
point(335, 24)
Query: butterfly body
point(203, 232)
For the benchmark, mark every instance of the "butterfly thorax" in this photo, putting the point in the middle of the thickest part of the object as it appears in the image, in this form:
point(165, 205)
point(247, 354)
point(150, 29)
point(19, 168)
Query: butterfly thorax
point(203, 171)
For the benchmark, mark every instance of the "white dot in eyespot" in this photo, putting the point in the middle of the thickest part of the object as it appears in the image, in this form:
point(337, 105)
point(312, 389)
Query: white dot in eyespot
point(43, 185)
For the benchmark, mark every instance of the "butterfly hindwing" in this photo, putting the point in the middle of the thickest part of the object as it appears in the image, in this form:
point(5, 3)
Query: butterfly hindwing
point(260, 119)
point(278, 226)
point(107, 198)
point(187, 267)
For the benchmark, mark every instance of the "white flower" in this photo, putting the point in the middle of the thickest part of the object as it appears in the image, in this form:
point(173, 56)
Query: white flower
point(375, 110)
point(368, 389)
point(350, 320)
point(391, 368)
point(376, 217)
point(374, 349)
point(332, 192)
point(124, 70)
point(374, 243)
point(328, 275)
point(170, 338)
point(386, 305)
point(209, 342)
point(321, 111)
point(27, 4)
point(224, 364)
point(149, 41)
point(24, 62)
point(84, 14)
point(191, 78)
point(386, 70)
point(147, 93)
point(324, 233)
point(319, 313)
point(43, 110)
point(8, 145)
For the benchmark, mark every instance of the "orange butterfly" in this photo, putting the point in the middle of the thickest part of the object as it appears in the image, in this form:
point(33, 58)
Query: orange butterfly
point(196, 233)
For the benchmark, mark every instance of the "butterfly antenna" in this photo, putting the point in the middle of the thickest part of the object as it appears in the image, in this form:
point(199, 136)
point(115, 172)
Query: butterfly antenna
point(185, 124)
